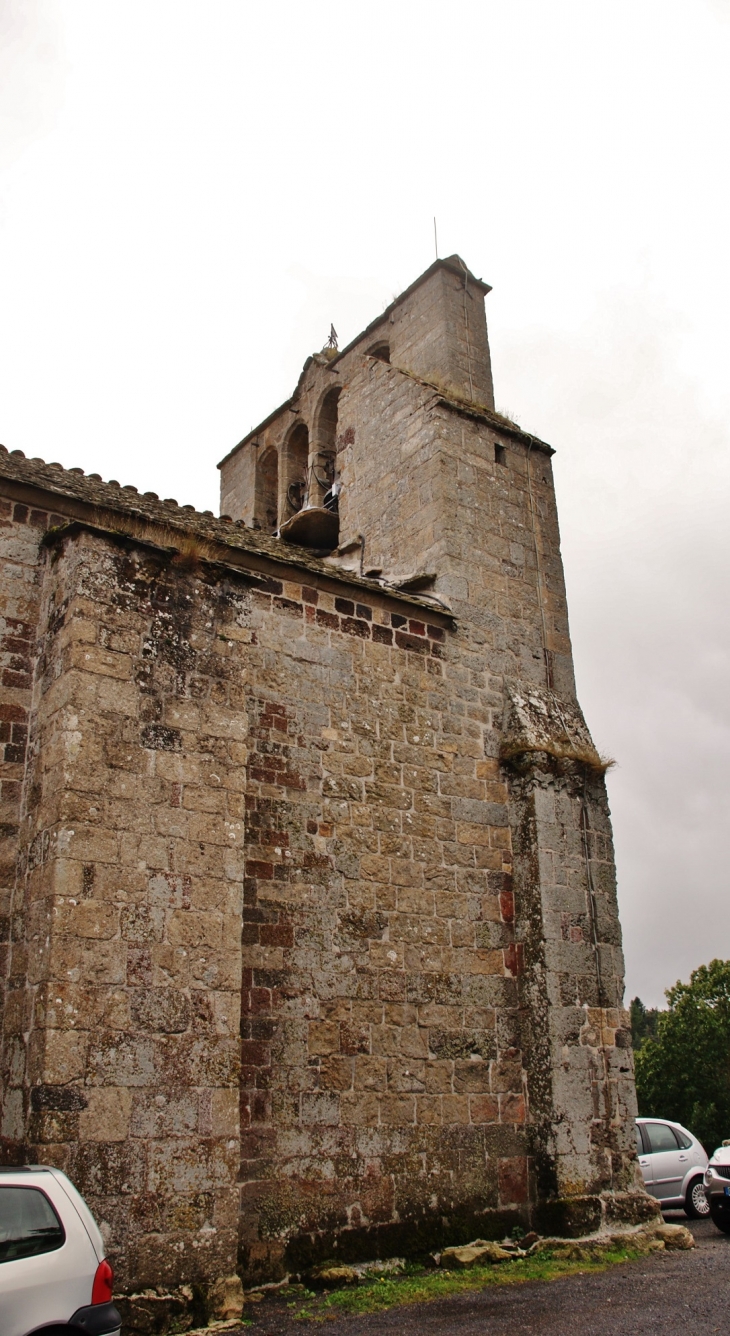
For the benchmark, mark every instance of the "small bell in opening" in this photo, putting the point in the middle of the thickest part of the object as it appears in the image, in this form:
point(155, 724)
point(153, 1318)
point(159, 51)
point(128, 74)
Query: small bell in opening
point(315, 527)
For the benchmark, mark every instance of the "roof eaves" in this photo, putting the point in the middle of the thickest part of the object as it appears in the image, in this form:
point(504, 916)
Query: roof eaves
point(479, 411)
point(92, 501)
point(498, 422)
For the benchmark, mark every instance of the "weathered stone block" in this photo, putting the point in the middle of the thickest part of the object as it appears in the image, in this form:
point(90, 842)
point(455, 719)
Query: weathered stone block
point(570, 1217)
point(106, 1116)
point(480, 1253)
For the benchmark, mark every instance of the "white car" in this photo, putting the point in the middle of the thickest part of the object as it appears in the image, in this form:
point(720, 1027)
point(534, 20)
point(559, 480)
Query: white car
point(673, 1164)
point(54, 1278)
point(717, 1187)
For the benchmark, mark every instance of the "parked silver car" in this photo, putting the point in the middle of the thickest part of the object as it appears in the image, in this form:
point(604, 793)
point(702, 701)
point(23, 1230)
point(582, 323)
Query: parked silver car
point(54, 1277)
point(673, 1164)
point(717, 1187)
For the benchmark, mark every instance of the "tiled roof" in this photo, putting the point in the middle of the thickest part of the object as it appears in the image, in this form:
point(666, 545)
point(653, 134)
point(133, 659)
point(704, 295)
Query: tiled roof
point(106, 499)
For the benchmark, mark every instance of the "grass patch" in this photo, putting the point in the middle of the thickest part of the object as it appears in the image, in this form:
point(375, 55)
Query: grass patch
point(560, 751)
point(416, 1286)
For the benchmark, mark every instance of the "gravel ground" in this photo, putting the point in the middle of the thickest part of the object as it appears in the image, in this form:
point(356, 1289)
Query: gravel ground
point(686, 1292)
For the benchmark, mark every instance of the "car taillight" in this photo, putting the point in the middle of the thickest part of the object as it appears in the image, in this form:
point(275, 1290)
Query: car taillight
point(101, 1291)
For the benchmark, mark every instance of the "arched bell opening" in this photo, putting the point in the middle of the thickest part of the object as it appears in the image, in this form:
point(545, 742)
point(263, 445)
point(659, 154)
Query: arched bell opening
point(266, 509)
point(322, 463)
point(316, 523)
point(294, 472)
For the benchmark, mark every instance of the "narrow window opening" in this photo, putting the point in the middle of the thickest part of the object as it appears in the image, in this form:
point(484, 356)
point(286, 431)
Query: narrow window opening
point(323, 466)
point(381, 351)
point(296, 464)
point(500, 455)
point(266, 513)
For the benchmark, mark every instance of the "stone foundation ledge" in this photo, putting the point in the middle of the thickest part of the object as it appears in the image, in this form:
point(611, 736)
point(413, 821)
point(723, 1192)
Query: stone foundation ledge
point(576, 1217)
point(645, 1239)
point(152, 1312)
point(591, 1222)
point(214, 1326)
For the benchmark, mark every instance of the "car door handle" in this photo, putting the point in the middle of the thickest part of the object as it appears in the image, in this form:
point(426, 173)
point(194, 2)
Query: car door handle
point(683, 1157)
point(643, 1163)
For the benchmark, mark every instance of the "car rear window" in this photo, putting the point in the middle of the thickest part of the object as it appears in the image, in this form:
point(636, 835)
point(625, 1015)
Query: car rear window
point(28, 1224)
point(661, 1137)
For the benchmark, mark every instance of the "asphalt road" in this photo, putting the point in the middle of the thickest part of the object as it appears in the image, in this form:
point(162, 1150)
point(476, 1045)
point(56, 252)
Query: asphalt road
point(666, 1293)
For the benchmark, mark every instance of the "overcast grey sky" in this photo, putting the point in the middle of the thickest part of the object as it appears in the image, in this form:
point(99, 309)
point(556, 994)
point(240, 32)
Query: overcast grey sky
point(191, 190)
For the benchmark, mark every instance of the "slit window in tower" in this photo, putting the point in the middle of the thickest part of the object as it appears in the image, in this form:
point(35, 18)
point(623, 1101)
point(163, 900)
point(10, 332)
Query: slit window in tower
point(381, 351)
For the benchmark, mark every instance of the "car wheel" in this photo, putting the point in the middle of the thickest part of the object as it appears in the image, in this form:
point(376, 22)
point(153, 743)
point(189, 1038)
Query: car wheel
point(696, 1204)
point(720, 1215)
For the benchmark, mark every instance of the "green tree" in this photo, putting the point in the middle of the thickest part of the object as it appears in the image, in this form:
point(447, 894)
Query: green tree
point(643, 1022)
point(684, 1072)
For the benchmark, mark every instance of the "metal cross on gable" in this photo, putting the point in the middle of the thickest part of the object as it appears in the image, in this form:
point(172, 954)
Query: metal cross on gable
point(332, 340)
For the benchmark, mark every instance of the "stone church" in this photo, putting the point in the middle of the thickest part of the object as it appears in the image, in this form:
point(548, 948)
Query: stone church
point(310, 941)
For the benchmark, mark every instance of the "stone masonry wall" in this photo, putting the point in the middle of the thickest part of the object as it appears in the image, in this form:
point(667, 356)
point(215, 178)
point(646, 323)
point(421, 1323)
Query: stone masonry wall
point(21, 527)
point(384, 1088)
point(131, 878)
point(379, 1068)
point(576, 1037)
point(439, 330)
point(313, 947)
point(471, 502)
